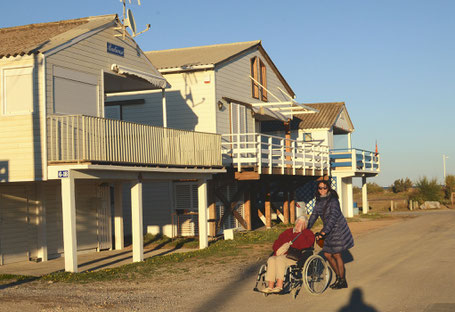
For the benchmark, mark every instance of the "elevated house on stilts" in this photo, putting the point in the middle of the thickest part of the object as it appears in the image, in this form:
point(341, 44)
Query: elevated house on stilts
point(331, 120)
point(230, 90)
point(60, 158)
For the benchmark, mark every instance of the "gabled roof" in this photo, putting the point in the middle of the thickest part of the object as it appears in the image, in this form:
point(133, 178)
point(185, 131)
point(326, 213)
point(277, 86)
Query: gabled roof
point(327, 117)
point(188, 59)
point(194, 56)
point(38, 38)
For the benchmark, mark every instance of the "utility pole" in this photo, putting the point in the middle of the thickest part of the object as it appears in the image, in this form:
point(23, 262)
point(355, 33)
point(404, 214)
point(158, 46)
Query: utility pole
point(444, 157)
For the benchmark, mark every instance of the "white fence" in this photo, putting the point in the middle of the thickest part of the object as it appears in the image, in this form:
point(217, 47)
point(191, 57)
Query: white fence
point(266, 151)
point(78, 138)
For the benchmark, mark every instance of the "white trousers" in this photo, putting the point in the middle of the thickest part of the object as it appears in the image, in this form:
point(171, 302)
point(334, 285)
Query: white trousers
point(276, 267)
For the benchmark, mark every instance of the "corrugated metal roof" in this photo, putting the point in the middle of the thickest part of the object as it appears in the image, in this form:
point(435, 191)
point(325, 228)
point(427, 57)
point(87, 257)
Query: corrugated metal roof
point(35, 38)
point(326, 118)
point(193, 56)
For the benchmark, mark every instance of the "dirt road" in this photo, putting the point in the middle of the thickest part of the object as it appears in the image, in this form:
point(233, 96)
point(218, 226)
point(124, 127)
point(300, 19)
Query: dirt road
point(404, 266)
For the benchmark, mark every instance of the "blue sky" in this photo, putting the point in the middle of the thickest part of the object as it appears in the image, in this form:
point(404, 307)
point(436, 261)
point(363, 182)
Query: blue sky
point(392, 62)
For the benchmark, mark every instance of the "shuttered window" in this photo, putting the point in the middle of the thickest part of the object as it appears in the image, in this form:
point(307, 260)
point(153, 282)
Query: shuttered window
point(254, 74)
point(17, 91)
point(263, 80)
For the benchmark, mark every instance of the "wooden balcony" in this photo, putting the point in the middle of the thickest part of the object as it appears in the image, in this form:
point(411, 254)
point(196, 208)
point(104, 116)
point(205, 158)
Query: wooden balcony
point(266, 154)
point(355, 161)
point(78, 138)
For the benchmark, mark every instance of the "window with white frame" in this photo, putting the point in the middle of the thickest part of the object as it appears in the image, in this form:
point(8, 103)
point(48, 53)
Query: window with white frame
point(17, 91)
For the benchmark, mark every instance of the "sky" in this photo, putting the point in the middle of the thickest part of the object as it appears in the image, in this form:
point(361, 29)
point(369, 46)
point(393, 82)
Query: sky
point(392, 62)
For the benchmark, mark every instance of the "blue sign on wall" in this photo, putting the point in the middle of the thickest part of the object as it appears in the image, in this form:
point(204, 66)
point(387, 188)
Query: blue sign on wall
point(115, 49)
point(63, 174)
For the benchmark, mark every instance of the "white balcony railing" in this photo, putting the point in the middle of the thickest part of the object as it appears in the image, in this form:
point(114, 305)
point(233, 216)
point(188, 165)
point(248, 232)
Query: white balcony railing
point(353, 159)
point(78, 138)
point(266, 151)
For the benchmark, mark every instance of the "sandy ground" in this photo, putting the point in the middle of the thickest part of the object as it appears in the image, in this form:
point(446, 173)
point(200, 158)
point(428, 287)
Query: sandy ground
point(180, 287)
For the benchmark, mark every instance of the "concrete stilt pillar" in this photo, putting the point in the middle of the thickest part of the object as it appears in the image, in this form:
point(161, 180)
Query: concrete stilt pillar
point(212, 207)
point(340, 191)
point(41, 224)
point(118, 217)
point(69, 223)
point(349, 199)
point(202, 214)
point(365, 206)
point(137, 221)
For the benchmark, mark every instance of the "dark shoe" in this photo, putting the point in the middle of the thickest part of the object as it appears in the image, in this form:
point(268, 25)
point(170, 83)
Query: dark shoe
point(334, 284)
point(341, 284)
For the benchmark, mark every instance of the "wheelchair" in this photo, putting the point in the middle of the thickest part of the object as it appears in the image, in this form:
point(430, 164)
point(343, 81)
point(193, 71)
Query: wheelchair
point(311, 271)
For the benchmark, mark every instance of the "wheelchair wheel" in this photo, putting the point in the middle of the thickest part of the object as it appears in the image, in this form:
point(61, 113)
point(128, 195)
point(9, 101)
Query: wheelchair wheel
point(261, 283)
point(316, 274)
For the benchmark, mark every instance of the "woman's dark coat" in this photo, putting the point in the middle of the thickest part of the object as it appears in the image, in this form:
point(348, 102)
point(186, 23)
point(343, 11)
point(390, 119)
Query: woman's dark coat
point(338, 236)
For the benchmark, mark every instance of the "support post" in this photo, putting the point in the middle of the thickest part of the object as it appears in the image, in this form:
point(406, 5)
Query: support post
point(69, 223)
point(286, 207)
point(349, 198)
point(163, 95)
point(137, 221)
point(340, 191)
point(202, 213)
point(41, 224)
point(118, 217)
point(365, 206)
point(349, 141)
point(268, 207)
point(292, 205)
point(247, 208)
point(212, 208)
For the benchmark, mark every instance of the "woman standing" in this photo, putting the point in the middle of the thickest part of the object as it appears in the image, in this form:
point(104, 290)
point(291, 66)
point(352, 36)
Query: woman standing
point(335, 230)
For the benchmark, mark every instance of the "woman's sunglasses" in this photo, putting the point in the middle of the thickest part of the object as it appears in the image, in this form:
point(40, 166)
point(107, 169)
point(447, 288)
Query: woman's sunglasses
point(322, 187)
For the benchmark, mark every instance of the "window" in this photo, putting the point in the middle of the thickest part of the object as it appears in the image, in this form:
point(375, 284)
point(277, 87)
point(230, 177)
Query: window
point(75, 92)
point(259, 73)
point(263, 80)
point(17, 95)
point(254, 74)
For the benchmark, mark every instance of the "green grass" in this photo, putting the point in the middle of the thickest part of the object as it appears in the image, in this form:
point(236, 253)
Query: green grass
point(9, 277)
point(219, 251)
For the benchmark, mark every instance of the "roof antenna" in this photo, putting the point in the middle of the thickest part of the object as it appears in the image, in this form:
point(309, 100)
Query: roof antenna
point(128, 21)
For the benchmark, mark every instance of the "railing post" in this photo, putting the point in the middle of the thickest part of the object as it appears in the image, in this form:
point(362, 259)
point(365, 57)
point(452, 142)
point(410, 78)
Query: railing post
point(259, 152)
point(283, 158)
point(313, 160)
point(353, 159)
point(270, 154)
point(293, 156)
point(372, 161)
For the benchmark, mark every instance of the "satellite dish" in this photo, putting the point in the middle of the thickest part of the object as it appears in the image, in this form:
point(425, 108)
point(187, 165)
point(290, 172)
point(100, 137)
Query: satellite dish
point(130, 21)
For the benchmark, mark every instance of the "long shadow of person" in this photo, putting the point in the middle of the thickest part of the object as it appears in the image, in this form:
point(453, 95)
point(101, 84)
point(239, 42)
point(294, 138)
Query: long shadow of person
point(356, 303)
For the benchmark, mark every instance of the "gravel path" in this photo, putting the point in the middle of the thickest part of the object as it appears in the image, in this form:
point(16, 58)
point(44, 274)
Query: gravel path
point(184, 286)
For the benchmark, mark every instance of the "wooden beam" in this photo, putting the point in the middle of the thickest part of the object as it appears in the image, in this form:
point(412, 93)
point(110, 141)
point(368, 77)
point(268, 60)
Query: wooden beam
point(247, 175)
point(231, 206)
point(286, 207)
point(247, 209)
point(292, 205)
point(268, 208)
point(212, 209)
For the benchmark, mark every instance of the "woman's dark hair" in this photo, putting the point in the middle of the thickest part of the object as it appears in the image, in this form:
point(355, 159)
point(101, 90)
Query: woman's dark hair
point(330, 191)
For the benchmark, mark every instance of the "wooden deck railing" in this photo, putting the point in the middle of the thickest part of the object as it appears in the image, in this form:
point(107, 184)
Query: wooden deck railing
point(267, 151)
point(353, 159)
point(78, 138)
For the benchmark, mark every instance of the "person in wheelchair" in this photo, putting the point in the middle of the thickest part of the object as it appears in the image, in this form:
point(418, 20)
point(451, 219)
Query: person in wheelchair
point(299, 238)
